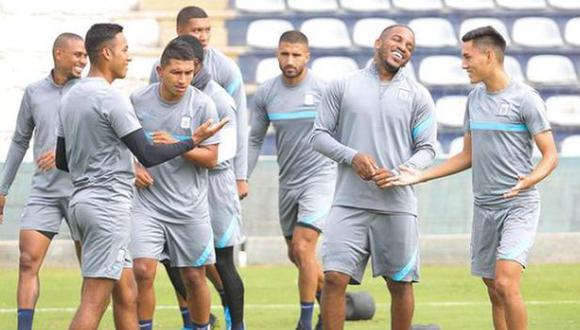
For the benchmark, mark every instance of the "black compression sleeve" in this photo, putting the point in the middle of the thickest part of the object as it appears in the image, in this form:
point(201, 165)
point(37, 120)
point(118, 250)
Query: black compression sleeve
point(154, 154)
point(60, 154)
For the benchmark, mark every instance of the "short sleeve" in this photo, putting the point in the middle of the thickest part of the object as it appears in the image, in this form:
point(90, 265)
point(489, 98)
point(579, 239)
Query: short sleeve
point(533, 111)
point(121, 114)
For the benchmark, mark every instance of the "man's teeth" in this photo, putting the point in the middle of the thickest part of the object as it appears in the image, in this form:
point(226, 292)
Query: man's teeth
point(398, 55)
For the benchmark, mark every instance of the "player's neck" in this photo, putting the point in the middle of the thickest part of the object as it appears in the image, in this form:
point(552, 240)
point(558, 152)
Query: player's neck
point(498, 80)
point(167, 96)
point(58, 77)
point(97, 72)
point(384, 74)
point(295, 80)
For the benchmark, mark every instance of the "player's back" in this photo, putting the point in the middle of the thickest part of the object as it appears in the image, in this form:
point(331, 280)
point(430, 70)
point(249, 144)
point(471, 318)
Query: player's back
point(93, 118)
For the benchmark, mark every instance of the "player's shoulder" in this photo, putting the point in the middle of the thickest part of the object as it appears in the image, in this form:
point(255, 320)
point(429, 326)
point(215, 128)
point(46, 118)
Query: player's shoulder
point(38, 85)
point(269, 85)
point(218, 94)
point(524, 90)
point(219, 58)
point(143, 92)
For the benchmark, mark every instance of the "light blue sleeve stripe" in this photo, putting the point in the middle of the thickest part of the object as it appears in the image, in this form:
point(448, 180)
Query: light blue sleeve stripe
point(491, 126)
point(149, 136)
point(400, 275)
point(422, 126)
point(228, 234)
point(205, 255)
point(292, 115)
point(233, 87)
point(312, 218)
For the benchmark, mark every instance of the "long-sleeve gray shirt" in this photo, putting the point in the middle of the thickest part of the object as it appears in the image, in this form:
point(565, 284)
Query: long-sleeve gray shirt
point(395, 124)
point(227, 74)
point(291, 109)
point(38, 115)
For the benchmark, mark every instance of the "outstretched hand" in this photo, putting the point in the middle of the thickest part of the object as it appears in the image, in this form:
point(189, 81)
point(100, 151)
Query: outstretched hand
point(208, 129)
point(406, 176)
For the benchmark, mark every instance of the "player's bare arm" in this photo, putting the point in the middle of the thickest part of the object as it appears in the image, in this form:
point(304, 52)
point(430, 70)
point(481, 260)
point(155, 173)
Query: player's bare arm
point(549, 161)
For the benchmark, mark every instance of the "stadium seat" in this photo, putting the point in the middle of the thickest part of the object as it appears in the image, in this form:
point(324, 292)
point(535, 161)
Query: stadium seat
point(476, 22)
point(266, 69)
point(565, 4)
point(68, 6)
point(450, 110)
point(570, 146)
point(433, 32)
point(367, 30)
point(470, 4)
point(551, 70)
point(418, 5)
point(564, 110)
point(442, 70)
point(456, 146)
point(261, 6)
point(141, 33)
point(572, 31)
point(365, 5)
point(312, 5)
point(513, 68)
point(522, 4)
point(536, 32)
point(333, 67)
point(265, 33)
point(326, 33)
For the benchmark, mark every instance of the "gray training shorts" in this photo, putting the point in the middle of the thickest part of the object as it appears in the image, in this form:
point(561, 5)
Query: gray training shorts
point(46, 214)
point(502, 233)
point(353, 235)
point(224, 208)
point(307, 206)
point(188, 244)
point(104, 234)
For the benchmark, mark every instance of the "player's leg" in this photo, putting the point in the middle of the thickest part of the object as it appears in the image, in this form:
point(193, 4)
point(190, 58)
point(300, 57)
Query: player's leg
point(517, 237)
point(125, 301)
point(345, 252)
point(394, 241)
point(497, 307)
point(198, 296)
point(95, 297)
point(39, 224)
point(233, 286)
point(145, 270)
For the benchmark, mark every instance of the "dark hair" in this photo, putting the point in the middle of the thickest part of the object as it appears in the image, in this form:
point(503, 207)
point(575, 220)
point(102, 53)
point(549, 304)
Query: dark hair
point(97, 35)
point(293, 37)
point(190, 12)
point(194, 44)
point(64, 37)
point(487, 36)
point(177, 49)
point(390, 27)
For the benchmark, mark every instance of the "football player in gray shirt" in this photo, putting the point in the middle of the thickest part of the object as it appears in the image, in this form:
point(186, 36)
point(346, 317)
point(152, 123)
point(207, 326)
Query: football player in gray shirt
point(47, 203)
point(370, 122)
point(97, 133)
point(503, 120)
point(194, 21)
point(306, 178)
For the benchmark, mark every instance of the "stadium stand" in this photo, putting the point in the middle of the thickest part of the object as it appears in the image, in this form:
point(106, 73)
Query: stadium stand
point(261, 6)
point(418, 5)
point(564, 110)
point(264, 33)
point(565, 4)
point(522, 4)
point(570, 146)
point(539, 32)
point(365, 5)
point(366, 30)
point(572, 32)
point(442, 70)
point(313, 5)
point(266, 69)
point(470, 5)
point(333, 67)
point(551, 70)
point(433, 32)
point(326, 33)
point(450, 110)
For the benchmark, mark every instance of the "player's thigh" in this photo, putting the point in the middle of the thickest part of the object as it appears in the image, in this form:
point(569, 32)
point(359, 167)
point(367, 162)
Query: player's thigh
point(314, 204)
point(148, 237)
point(394, 241)
point(519, 232)
point(287, 210)
point(190, 244)
point(485, 235)
point(225, 210)
point(42, 214)
point(345, 248)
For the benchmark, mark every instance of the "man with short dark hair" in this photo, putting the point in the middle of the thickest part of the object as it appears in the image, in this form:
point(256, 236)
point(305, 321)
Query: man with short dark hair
point(370, 122)
point(173, 213)
point(47, 203)
point(306, 178)
point(503, 119)
point(98, 131)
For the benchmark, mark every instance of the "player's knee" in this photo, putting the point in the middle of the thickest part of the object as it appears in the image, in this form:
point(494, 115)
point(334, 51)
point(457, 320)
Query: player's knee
point(291, 254)
point(194, 278)
point(400, 289)
point(334, 281)
point(28, 263)
point(143, 273)
point(505, 287)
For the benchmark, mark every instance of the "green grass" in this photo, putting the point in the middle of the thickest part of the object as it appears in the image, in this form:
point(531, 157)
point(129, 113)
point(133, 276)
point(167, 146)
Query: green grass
point(447, 296)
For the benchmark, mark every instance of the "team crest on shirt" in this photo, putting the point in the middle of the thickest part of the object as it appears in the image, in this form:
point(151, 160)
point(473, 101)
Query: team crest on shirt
point(185, 122)
point(504, 109)
point(308, 99)
point(403, 94)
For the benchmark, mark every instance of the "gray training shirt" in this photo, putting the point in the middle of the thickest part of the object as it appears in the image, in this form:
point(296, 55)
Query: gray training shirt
point(291, 109)
point(226, 73)
point(225, 107)
point(94, 116)
point(395, 127)
point(179, 191)
point(38, 114)
point(502, 126)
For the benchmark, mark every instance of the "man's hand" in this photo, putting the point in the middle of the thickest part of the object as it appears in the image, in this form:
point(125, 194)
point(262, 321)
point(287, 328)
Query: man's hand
point(208, 129)
point(380, 177)
point(46, 161)
point(523, 184)
point(161, 137)
point(406, 176)
point(2, 203)
point(142, 178)
point(364, 165)
point(243, 188)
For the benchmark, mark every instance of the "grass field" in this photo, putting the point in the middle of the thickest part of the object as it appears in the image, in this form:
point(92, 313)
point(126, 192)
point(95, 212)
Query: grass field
point(447, 296)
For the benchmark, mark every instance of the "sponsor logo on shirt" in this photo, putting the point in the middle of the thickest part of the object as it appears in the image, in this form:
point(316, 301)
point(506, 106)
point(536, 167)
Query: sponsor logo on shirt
point(185, 122)
point(504, 109)
point(403, 94)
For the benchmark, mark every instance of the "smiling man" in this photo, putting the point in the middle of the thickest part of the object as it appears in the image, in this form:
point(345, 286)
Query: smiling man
point(306, 178)
point(370, 122)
